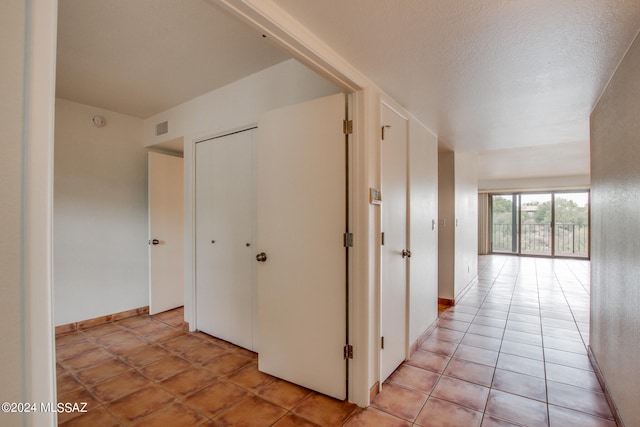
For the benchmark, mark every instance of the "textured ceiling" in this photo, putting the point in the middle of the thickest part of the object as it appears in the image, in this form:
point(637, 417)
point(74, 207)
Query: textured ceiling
point(485, 75)
point(141, 57)
point(493, 76)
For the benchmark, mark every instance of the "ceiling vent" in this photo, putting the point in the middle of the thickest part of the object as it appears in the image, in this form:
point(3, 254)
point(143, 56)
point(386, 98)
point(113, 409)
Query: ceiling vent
point(162, 128)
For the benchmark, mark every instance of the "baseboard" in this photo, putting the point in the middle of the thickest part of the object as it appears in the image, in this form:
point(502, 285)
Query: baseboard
point(373, 392)
point(605, 388)
point(422, 338)
point(446, 301)
point(97, 321)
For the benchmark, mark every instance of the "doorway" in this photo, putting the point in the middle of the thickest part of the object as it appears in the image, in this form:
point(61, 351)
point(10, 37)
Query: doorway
point(540, 224)
point(355, 84)
point(166, 232)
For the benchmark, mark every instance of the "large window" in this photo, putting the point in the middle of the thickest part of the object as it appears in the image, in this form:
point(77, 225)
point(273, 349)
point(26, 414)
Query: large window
point(546, 224)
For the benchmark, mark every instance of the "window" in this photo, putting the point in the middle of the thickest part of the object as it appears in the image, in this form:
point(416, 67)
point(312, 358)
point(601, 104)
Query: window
point(545, 224)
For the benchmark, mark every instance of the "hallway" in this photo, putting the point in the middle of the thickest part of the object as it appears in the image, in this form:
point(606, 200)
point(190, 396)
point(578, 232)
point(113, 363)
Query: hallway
point(511, 352)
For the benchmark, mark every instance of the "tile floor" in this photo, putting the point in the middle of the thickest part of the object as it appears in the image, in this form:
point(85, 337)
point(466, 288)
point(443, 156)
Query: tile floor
point(511, 352)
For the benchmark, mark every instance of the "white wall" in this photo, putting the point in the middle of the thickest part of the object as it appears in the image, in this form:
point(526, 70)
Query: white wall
point(423, 238)
point(100, 214)
point(231, 107)
point(615, 236)
point(458, 232)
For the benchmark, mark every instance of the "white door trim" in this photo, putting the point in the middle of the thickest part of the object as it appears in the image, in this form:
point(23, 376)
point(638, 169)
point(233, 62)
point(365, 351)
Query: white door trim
point(39, 102)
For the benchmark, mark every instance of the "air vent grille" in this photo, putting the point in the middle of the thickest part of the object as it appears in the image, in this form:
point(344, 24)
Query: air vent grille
point(162, 128)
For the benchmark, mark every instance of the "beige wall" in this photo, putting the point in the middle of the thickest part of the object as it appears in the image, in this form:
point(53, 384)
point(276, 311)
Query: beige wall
point(12, 304)
point(615, 235)
point(100, 214)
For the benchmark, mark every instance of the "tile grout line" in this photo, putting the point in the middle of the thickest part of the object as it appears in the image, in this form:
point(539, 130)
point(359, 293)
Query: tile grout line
point(495, 368)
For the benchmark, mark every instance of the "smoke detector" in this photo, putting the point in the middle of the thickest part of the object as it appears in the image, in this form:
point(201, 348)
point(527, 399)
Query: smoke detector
point(98, 121)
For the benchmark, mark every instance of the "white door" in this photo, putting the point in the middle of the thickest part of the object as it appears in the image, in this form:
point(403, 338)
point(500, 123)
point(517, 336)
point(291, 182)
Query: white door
point(393, 281)
point(225, 214)
point(301, 207)
point(166, 236)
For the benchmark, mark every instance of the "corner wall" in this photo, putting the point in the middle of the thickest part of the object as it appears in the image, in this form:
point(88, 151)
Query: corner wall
point(615, 236)
point(100, 214)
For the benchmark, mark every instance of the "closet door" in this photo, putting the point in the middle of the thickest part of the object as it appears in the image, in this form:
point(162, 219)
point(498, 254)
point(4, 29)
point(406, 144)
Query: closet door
point(394, 251)
point(225, 263)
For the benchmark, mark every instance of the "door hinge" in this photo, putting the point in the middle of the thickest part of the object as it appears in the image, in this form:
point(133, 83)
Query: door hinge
point(382, 238)
point(347, 127)
point(382, 342)
point(348, 351)
point(348, 240)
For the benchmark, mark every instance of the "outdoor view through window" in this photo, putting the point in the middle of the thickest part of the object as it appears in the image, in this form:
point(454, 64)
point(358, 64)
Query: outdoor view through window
point(552, 224)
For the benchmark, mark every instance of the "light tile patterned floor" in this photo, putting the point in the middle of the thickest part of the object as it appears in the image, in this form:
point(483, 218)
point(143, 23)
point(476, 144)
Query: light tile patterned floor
point(511, 352)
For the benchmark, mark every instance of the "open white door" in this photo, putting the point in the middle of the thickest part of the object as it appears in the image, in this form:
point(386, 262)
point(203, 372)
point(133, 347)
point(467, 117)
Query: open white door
point(301, 208)
point(393, 281)
point(166, 236)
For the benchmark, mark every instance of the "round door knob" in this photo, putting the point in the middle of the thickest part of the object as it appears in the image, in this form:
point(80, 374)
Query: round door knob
point(155, 242)
point(261, 257)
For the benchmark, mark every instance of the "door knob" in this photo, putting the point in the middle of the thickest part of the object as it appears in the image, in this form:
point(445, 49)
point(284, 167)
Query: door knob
point(406, 253)
point(261, 257)
point(155, 242)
